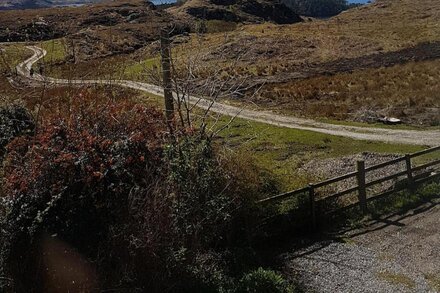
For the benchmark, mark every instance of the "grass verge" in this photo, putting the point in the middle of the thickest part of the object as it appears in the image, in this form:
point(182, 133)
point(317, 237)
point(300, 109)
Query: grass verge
point(434, 281)
point(285, 150)
point(397, 279)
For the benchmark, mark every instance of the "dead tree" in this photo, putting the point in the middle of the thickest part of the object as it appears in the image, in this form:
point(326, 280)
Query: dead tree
point(196, 86)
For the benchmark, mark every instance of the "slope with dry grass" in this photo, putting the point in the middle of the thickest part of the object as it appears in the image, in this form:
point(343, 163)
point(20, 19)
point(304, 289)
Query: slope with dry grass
point(408, 91)
point(387, 26)
point(381, 57)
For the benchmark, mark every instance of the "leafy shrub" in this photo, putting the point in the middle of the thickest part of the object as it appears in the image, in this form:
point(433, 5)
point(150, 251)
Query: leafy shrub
point(142, 208)
point(14, 121)
point(209, 272)
point(264, 281)
point(74, 178)
point(206, 189)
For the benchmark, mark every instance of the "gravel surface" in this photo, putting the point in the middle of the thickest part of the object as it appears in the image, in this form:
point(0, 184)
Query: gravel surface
point(339, 166)
point(397, 254)
point(334, 167)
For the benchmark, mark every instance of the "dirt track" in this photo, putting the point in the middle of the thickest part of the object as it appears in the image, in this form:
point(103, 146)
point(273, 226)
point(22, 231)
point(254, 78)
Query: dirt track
point(425, 138)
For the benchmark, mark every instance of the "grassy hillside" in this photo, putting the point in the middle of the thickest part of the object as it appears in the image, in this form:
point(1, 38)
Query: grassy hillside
point(377, 60)
point(380, 59)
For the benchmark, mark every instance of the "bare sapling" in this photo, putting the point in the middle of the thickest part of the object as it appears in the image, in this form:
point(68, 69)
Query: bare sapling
point(192, 89)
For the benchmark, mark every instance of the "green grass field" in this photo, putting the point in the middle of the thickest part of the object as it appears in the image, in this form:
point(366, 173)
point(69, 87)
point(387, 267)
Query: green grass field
point(12, 55)
point(134, 70)
point(56, 51)
point(282, 150)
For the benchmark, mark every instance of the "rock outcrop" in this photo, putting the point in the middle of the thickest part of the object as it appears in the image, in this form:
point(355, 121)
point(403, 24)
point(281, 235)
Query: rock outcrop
point(238, 11)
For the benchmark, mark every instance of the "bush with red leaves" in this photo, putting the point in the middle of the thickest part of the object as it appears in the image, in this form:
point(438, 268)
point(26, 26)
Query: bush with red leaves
point(75, 176)
point(139, 205)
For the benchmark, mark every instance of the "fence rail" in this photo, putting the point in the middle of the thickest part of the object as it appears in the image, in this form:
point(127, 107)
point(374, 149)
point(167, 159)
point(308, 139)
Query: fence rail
point(412, 180)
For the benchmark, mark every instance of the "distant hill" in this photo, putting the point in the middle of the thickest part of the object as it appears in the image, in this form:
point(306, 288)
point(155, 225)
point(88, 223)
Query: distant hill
point(27, 4)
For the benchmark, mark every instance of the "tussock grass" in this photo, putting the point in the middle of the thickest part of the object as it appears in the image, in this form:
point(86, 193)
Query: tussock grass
point(271, 51)
point(381, 27)
point(408, 91)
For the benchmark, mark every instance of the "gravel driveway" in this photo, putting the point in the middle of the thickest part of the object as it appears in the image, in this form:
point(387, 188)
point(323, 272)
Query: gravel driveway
point(397, 254)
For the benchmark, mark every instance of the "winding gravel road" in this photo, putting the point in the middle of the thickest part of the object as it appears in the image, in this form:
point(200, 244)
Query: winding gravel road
point(425, 138)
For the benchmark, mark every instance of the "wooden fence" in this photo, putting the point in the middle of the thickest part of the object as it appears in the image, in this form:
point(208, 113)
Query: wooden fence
point(414, 176)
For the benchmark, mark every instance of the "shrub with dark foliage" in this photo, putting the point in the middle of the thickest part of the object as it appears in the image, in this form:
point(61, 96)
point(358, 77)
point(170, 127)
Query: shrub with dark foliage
point(141, 207)
point(14, 121)
point(266, 281)
point(74, 179)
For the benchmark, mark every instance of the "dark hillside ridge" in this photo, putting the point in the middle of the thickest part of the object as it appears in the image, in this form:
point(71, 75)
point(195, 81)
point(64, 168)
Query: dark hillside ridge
point(319, 8)
point(238, 11)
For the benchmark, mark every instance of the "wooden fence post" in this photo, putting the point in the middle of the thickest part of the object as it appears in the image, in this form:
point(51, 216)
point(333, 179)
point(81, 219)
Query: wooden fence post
point(166, 72)
point(362, 186)
point(409, 173)
point(312, 206)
